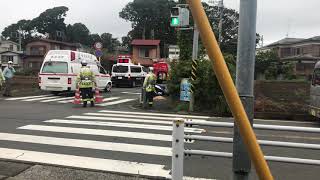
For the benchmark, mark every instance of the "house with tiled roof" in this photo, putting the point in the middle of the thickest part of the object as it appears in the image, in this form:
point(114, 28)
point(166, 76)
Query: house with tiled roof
point(303, 52)
point(145, 51)
point(36, 49)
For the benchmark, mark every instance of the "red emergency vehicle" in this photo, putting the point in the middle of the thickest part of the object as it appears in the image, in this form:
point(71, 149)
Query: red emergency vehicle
point(161, 70)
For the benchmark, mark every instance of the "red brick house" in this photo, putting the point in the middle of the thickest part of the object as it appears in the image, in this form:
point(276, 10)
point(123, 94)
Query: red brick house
point(36, 49)
point(145, 51)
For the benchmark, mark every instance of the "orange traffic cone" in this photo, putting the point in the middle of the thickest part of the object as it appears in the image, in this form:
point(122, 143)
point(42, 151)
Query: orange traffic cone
point(98, 97)
point(77, 98)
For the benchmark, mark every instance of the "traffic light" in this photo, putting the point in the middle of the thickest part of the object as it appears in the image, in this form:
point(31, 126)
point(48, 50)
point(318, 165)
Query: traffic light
point(179, 17)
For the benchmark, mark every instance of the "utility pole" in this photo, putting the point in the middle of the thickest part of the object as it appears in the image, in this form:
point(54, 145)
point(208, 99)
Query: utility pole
point(20, 48)
point(195, 50)
point(221, 8)
point(245, 82)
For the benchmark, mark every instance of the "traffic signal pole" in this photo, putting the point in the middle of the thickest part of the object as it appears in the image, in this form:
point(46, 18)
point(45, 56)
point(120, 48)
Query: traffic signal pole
point(195, 50)
point(229, 90)
point(245, 82)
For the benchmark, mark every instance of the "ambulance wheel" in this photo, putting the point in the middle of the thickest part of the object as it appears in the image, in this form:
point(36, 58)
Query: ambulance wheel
point(108, 87)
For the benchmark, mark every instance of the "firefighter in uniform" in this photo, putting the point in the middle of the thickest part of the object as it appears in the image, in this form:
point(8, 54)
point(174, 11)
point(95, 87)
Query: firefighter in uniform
point(149, 86)
point(86, 82)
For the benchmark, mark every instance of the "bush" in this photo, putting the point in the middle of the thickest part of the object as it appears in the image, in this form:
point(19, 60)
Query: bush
point(208, 94)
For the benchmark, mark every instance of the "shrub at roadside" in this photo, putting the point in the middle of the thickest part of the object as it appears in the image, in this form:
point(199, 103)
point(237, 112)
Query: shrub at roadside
point(208, 94)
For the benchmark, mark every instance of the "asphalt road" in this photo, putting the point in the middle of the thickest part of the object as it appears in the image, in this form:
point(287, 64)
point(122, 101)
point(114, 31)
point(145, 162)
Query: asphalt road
point(111, 137)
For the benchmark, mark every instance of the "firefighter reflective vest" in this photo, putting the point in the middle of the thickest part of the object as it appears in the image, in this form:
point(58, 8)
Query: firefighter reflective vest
point(150, 82)
point(86, 78)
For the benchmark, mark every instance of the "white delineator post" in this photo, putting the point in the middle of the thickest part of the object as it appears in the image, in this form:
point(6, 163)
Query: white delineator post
point(177, 149)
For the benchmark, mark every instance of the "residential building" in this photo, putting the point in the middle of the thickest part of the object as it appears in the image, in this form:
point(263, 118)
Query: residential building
point(9, 52)
point(303, 52)
point(174, 52)
point(145, 51)
point(36, 50)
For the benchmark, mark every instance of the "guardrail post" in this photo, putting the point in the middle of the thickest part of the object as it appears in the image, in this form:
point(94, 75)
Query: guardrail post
point(177, 149)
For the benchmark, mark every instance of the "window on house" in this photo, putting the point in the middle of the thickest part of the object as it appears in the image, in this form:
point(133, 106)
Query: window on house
point(11, 48)
point(298, 51)
point(144, 53)
point(37, 50)
point(285, 52)
point(5, 58)
point(304, 51)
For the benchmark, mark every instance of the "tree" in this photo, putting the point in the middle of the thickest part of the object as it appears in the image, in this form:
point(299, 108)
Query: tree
point(109, 42)
point(51, 21)
point(23, 27)
point(78, 33)
point(150, 16)
point(126, 41)
point(264, 59)
point(208, 94)
point(93, 38)
point(269, 66)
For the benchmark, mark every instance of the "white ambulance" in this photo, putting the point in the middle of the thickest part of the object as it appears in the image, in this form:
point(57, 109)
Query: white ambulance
point(60, 69)
point(125, 72)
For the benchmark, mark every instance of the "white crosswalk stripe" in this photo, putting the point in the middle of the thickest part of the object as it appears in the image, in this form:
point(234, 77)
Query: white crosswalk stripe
point(66, 101)
point(57, 99)
point(27, 97)
point(117, 133)
point(40, 98)
point(122, 125)
point(155, 114)
point(116, 102)
point(131, 93)
point(110, 146)
point(99, 132)
point(108, 101)
point(110, 165)
point(120, 119)
point(132, 116)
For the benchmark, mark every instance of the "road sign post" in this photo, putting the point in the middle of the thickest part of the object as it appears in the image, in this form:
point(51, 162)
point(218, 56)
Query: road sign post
point(98, 47)
point(195, 51)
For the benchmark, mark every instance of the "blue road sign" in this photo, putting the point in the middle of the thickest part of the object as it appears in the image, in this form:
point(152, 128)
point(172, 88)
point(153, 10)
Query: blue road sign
point(185, 90)
point(98, 53)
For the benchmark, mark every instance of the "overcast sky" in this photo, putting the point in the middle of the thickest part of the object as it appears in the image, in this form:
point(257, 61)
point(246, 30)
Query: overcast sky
point(276, 18)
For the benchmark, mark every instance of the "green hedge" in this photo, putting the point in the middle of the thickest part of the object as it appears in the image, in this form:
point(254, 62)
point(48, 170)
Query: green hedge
point(208, 94)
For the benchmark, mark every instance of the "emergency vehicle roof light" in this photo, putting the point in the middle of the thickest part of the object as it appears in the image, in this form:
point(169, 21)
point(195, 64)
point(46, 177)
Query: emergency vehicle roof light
point(72, 56)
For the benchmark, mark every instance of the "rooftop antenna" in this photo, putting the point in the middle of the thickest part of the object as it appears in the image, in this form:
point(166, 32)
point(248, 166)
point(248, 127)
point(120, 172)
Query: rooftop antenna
point(289, 27)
